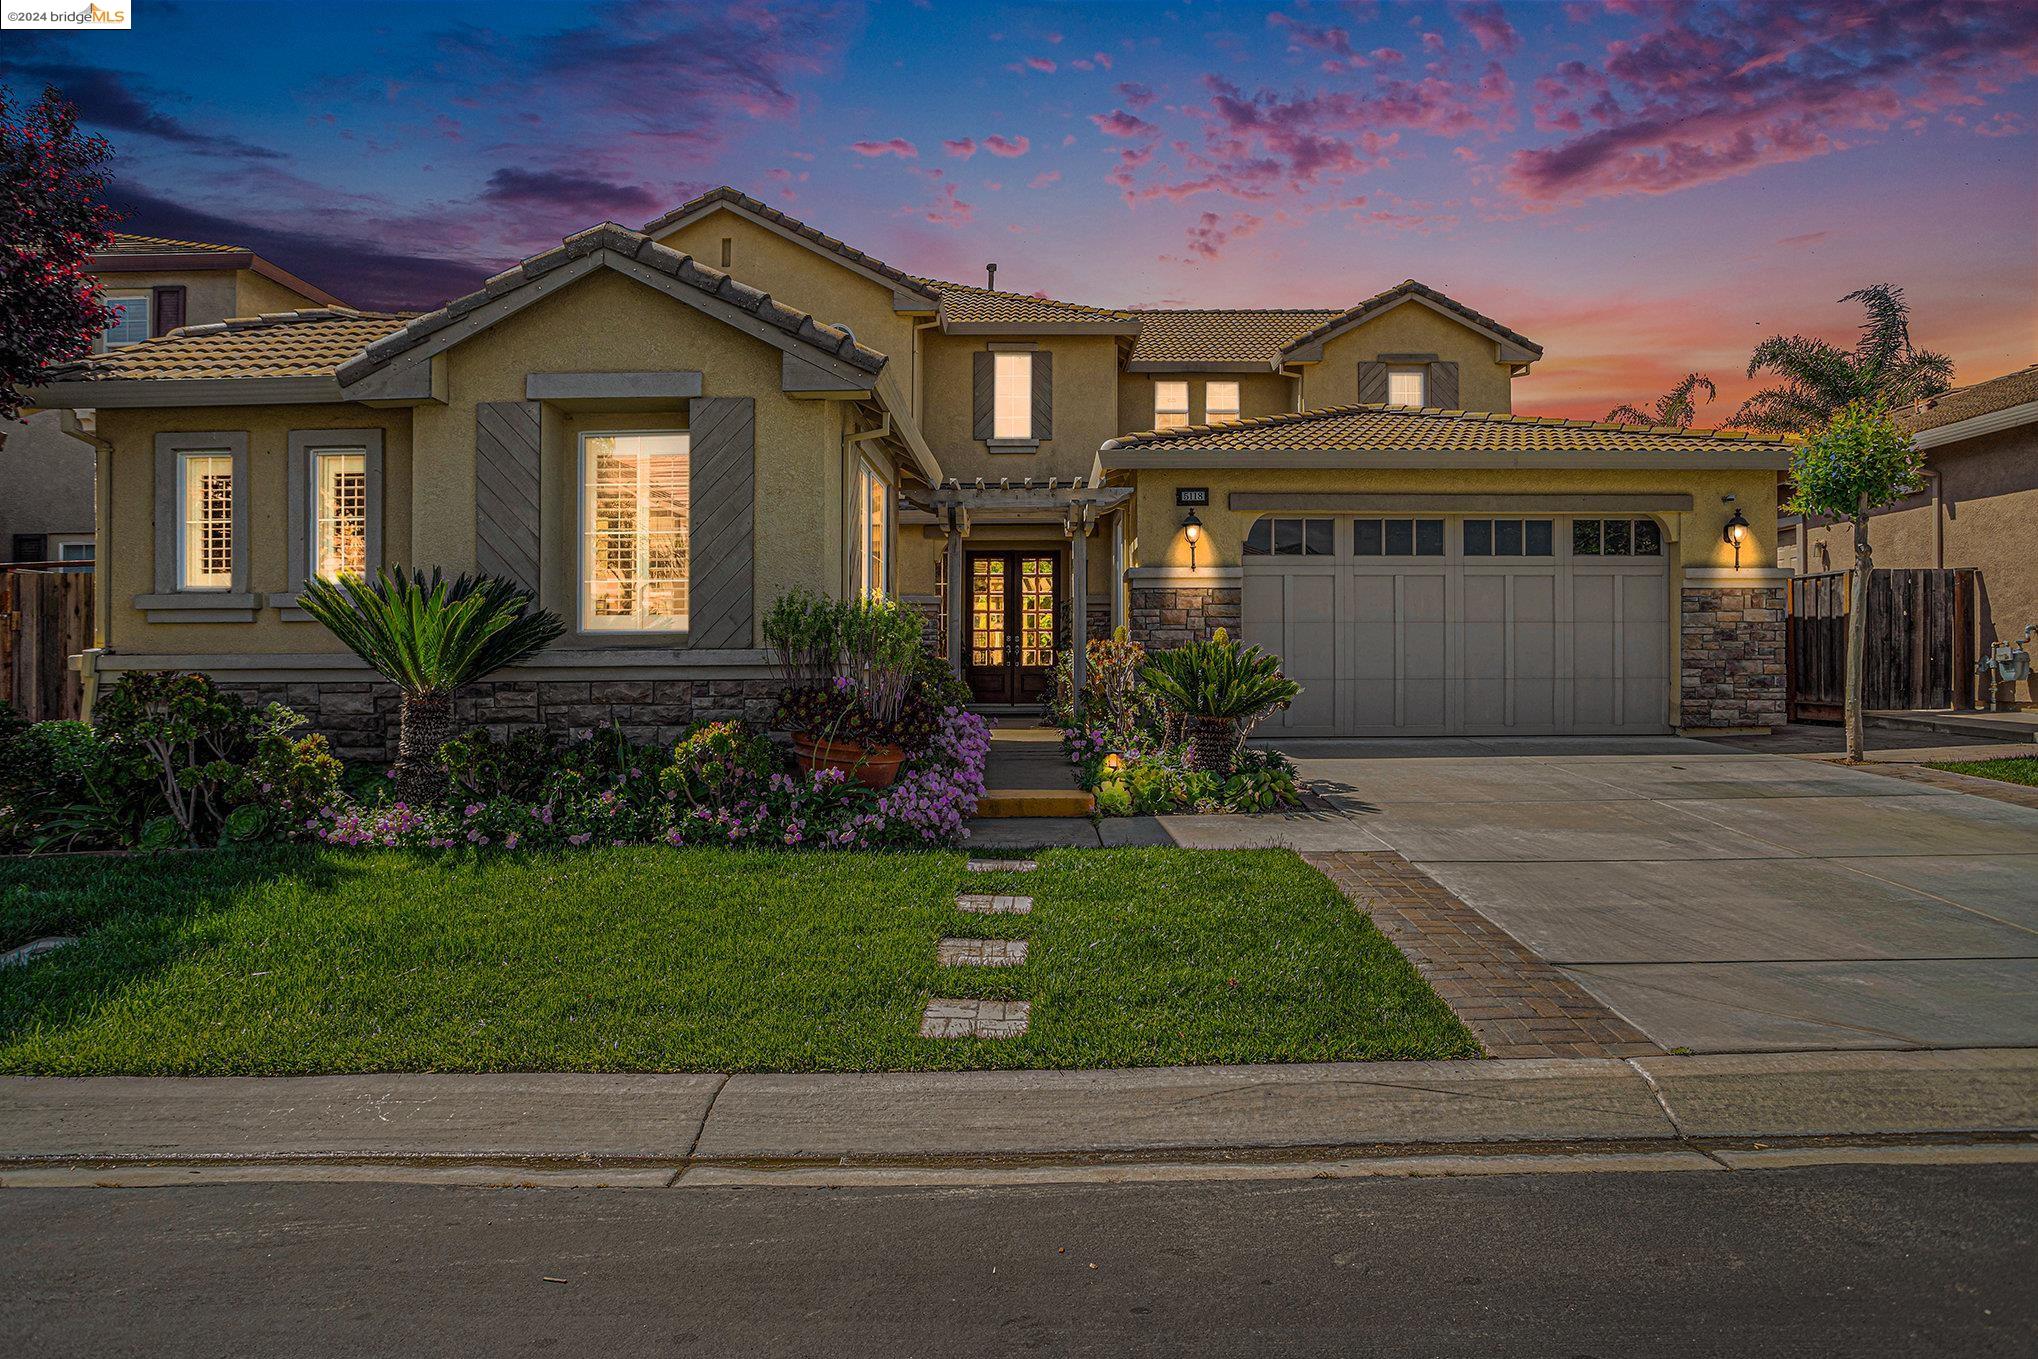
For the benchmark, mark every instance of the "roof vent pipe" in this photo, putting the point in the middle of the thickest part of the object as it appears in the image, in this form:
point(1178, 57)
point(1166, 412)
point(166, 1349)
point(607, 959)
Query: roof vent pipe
point(991, 277)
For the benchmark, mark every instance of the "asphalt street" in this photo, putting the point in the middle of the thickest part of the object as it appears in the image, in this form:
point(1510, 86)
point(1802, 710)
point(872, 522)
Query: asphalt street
point(1834, 1260)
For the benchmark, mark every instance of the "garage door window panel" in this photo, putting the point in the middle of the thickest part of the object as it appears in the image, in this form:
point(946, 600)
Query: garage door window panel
point(1292, 538)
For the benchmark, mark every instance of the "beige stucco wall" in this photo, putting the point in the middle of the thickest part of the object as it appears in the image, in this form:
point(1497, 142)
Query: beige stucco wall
point(1258, 394)
point(607, 322)
point(794, 274)
point(209, 294)
point(127, 528)
point(255, 295)
point(1989, 522)
point(1411, 328)
point(1085, 407)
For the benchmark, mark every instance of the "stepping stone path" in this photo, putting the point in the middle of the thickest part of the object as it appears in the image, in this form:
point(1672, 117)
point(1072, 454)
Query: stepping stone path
point(975, 1019)
point(982, 952)
point(983, 1018)
point(983, 903)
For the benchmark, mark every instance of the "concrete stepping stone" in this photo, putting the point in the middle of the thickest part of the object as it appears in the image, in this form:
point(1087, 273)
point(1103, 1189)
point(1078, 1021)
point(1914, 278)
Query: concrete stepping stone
point(1002, 865)
point(975, 1018)
point(981, 952)
point(986, 903)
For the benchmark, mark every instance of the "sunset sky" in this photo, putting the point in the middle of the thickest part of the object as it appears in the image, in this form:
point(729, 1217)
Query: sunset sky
point(1643, 189)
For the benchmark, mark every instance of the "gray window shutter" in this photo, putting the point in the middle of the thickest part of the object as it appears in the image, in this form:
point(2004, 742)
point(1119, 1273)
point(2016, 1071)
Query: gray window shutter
point(1373, 383)
point(721, 537)
point(1043, 394)
point(506, 490)
point(983, 391)
point(1442, 386)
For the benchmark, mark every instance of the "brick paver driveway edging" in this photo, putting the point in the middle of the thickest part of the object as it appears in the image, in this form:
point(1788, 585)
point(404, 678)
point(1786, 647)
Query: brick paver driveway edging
point(1514, 1003)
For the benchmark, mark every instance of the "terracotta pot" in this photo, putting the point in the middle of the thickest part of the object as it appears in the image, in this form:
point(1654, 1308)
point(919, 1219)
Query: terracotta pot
point(872, 766)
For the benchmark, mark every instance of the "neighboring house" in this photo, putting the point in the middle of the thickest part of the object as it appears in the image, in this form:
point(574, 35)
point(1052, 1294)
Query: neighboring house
point(659, 431)
point(155, 286)
point(1978, 507)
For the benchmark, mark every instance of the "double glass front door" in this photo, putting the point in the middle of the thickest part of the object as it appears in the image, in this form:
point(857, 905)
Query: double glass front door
point(1012, 602)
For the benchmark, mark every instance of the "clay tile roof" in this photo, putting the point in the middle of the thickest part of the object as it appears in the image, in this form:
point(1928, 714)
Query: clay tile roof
point(312, 343)
point(126, 243)
point(736, 197)
point(1219, 336)
point(1359, 428)
point(962, 304)
point(1964, 403)
point(1411, 288)
point(640, 247)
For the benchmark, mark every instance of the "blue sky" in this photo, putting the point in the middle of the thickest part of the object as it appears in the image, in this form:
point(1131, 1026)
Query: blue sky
point(1642, 188)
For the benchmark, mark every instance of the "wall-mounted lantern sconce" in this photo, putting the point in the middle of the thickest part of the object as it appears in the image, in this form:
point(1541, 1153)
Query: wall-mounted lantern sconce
point(1735, 533)
point(1192, 529)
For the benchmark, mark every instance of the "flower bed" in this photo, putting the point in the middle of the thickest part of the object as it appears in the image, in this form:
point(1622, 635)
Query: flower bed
point(1137, 748)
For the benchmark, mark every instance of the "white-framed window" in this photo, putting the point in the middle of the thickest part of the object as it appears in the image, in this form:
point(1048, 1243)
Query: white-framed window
point(339, 512)
point(634, 503)
point(1406, 387)
point(1012, 394)
point(874, 521)
point(74, 552)
point(130, 321)
point(205, 528)
point(1170, 405)
point(1220, 402)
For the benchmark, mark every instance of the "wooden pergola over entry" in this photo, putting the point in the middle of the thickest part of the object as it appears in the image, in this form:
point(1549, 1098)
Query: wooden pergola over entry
point(1078, 506)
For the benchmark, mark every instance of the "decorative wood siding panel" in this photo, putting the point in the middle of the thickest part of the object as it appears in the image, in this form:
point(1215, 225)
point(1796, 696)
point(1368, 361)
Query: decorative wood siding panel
point(1043, 394)
point(722, 539)
point(1443, 386)
point(1373, 383)
point(983, 393)
point(506, 490)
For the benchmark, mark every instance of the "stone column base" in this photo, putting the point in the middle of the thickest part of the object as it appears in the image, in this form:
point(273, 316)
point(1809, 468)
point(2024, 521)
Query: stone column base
point(1733, 657)
point(1166, 616)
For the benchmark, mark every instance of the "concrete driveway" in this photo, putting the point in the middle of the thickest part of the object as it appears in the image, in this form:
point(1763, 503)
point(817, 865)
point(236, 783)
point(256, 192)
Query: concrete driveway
point(1723, 901)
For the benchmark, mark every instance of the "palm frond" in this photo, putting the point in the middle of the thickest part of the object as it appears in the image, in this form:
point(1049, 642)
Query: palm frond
point(1627, 414)
point(1219, 679)
point(1885, 327)
point(427, 635)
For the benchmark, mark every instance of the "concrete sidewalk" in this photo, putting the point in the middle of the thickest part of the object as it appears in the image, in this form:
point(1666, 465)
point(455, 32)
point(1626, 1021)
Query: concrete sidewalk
point(672, 1122)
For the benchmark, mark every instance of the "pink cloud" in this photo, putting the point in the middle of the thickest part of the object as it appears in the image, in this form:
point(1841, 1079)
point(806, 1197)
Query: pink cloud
point(1137, 96)
point(1211, 233)
point(1041, 64)
point(1801, 81)
point(948, 209)
point(1489, 27)
point(1119, 123)
point(896, 146)
point(1006, 146)
point(1044, 178)
point(961, 147)
point(1387, 56)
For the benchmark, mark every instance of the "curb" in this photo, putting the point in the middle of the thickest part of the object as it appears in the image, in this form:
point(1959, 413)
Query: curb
point(672, 1124)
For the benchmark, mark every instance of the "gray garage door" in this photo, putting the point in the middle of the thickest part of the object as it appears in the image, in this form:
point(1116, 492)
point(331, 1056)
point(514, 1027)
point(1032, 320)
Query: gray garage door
point(1412, 626)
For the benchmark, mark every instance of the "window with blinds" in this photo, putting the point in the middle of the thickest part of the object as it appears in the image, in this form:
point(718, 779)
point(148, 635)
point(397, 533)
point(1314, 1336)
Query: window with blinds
point(205, 550)
point(633, 530)
point(339, 519)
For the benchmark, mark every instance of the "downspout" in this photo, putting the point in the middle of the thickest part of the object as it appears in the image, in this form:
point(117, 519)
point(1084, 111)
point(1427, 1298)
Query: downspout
point(1936, 482)
point(74, 423)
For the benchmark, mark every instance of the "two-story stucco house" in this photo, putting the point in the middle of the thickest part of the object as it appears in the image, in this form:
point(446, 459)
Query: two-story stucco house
point(660, 430)
point(154, 286)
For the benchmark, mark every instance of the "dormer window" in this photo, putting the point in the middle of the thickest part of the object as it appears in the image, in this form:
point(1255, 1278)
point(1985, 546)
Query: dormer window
point(130, 322)
point(1170, 405)
point(1406, 387)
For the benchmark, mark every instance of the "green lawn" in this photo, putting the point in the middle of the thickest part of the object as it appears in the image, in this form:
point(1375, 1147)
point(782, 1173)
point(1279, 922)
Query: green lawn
point(2016, 769)
point(307, 960)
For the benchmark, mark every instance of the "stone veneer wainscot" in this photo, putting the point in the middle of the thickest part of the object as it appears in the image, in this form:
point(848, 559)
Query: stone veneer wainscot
point(1733, 650)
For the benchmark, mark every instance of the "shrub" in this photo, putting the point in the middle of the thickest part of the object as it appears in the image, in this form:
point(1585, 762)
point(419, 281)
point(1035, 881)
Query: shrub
point(62, 786)
point(1221, 690)
point(187, 735)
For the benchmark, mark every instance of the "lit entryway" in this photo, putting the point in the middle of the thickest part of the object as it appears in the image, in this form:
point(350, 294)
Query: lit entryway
point(1413, 626)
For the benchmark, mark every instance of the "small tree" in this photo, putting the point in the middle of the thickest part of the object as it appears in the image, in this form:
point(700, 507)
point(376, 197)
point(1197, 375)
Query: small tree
point(1854, 466)
point(430, 638)
point(52, 219)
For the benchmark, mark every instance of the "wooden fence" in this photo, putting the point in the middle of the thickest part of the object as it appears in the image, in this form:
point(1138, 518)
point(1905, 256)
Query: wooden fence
point(45, 619)
point(1919, 650)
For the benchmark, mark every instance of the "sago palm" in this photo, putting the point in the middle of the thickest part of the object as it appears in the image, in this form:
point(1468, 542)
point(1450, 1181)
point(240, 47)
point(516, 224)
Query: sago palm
point(1819, 380)
point(430, 637)
point(1674, 408)
point(1220, 690)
